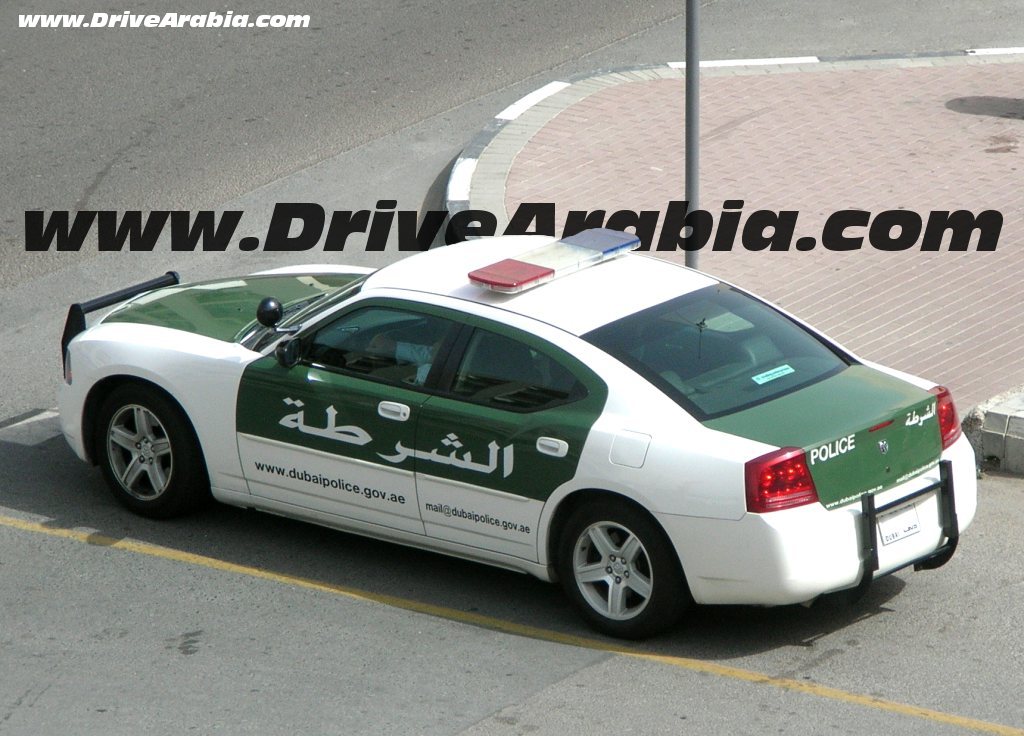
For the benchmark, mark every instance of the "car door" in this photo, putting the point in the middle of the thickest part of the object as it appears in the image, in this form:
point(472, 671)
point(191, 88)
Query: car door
point(324, 433)
point(506, 429)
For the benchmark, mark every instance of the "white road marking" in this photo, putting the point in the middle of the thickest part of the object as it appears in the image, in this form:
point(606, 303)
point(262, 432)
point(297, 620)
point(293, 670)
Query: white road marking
point(34, 430)
point(518, 108)
point(460, 179)
point(996, 52)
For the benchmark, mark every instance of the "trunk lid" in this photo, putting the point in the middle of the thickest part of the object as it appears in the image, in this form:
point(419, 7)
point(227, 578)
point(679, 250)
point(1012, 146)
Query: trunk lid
point(864, 431)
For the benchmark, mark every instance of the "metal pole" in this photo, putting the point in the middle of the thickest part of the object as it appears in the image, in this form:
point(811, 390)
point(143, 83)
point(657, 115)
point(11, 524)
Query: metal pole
point(692, 115)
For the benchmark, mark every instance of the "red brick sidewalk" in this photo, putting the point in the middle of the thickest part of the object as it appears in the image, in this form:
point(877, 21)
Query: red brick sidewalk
point(921, 138)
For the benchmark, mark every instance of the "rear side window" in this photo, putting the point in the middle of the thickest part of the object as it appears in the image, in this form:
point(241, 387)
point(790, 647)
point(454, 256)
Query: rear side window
point(502, 372)
point(717, 351)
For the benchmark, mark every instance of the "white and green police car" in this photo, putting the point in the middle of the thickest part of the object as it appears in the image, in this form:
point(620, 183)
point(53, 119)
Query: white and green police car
point(646, 434)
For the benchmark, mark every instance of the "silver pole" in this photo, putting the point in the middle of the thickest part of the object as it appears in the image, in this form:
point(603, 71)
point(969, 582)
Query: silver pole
point(692, 115)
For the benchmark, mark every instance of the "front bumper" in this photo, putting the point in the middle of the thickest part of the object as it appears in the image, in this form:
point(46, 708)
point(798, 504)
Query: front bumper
point(795, 555)
point(70, 403)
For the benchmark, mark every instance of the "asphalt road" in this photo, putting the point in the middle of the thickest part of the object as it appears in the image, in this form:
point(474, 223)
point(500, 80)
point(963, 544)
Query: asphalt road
point(239, 622)
point(372, 102)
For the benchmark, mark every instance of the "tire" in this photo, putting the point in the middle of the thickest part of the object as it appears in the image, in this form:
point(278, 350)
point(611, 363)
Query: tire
point(620, 571)
point(149, 454)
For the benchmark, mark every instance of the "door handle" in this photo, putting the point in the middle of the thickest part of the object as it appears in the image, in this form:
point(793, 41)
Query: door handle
point(393, 410)
point(552, 446)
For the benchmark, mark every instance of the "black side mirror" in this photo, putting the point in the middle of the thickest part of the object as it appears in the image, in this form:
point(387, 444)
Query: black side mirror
point(269, 312)
point(287, 353)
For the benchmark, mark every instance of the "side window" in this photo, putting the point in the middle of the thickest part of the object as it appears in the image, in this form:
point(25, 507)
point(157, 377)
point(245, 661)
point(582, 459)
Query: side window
point(509, 374)
point(385, 344)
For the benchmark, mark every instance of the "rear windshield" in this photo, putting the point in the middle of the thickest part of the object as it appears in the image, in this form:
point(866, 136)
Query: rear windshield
point(718, 350)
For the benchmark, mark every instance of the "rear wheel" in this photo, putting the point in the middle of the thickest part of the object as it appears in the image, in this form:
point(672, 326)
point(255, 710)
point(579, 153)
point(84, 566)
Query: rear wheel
point(149, 454)
point(620, 570)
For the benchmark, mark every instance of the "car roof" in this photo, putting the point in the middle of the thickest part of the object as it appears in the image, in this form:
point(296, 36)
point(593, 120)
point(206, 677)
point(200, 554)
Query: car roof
point(577, 303)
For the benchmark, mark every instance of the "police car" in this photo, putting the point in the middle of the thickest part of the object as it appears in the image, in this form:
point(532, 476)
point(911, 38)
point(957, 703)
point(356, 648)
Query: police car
point(643, 433)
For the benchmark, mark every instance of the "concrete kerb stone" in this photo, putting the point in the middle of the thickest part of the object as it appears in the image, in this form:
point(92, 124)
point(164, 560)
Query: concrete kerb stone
point(996, 430)
point(995, 427)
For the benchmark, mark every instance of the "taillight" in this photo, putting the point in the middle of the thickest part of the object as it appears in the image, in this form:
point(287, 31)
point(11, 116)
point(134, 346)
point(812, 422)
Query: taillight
point(67, 367)
point(949, 422)
point(779, 480)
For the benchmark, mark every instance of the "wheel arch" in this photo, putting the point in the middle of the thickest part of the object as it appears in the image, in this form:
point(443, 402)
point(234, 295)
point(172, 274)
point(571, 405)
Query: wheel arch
point(572, 501)
point(104, 388)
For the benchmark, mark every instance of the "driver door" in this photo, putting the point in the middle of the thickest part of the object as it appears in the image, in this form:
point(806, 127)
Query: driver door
point(329, 433)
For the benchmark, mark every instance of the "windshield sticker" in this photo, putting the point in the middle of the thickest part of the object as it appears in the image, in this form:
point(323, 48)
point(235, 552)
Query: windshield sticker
point(727, 322)
point(452, 442)
point(762, 378)
point(347, 433)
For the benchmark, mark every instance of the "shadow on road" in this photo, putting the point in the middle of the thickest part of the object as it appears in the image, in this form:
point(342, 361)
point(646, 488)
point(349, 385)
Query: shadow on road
point(48, 481)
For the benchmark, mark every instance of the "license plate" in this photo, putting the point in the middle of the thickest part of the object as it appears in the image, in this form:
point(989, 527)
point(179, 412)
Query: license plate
point(898, 524)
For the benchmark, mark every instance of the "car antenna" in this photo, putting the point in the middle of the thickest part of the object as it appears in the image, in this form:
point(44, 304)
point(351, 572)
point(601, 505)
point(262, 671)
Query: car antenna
point(700, 337)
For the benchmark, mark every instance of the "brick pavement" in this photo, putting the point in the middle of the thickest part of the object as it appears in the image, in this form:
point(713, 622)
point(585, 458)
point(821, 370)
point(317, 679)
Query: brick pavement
point(915, 134)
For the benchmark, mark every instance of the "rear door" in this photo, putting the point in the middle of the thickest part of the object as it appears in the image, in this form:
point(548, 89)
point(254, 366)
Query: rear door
point(505, 429)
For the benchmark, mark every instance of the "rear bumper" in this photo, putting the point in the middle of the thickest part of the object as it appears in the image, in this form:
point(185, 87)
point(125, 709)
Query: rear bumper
point(945, 498)
point(795, 555)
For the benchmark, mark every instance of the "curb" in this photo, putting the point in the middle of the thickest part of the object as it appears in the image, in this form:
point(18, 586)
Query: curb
point(995, 429)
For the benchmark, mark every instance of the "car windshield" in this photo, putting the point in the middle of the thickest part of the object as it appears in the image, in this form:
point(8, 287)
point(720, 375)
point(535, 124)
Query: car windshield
point(718, 350)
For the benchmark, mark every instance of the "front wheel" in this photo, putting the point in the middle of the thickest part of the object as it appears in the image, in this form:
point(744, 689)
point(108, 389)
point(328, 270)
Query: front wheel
point(620, 571)
point(149, 454)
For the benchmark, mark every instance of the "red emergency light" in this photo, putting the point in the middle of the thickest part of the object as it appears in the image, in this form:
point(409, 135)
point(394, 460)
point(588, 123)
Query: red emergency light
point(554, 260)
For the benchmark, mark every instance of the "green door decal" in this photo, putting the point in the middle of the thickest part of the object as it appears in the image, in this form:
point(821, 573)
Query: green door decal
point(309, 437)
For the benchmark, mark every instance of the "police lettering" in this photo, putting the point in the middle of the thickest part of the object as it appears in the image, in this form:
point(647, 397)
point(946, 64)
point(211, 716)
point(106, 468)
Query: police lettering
point(833, 449)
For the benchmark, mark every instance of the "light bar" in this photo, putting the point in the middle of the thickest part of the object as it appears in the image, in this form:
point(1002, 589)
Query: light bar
point(554, 260)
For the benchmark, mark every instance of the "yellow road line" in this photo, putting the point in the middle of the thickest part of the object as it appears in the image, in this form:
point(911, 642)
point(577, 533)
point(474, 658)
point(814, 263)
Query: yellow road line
point(497, 624)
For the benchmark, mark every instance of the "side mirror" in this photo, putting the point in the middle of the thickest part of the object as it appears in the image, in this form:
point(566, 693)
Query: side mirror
point(269, 312)
point(287, 353)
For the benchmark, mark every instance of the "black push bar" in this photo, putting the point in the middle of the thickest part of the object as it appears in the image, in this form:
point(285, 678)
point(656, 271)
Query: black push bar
point(932, 560)
point(75, 322)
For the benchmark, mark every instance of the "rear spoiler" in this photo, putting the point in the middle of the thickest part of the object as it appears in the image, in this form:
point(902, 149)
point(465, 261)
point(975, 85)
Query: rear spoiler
point(75, 322)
